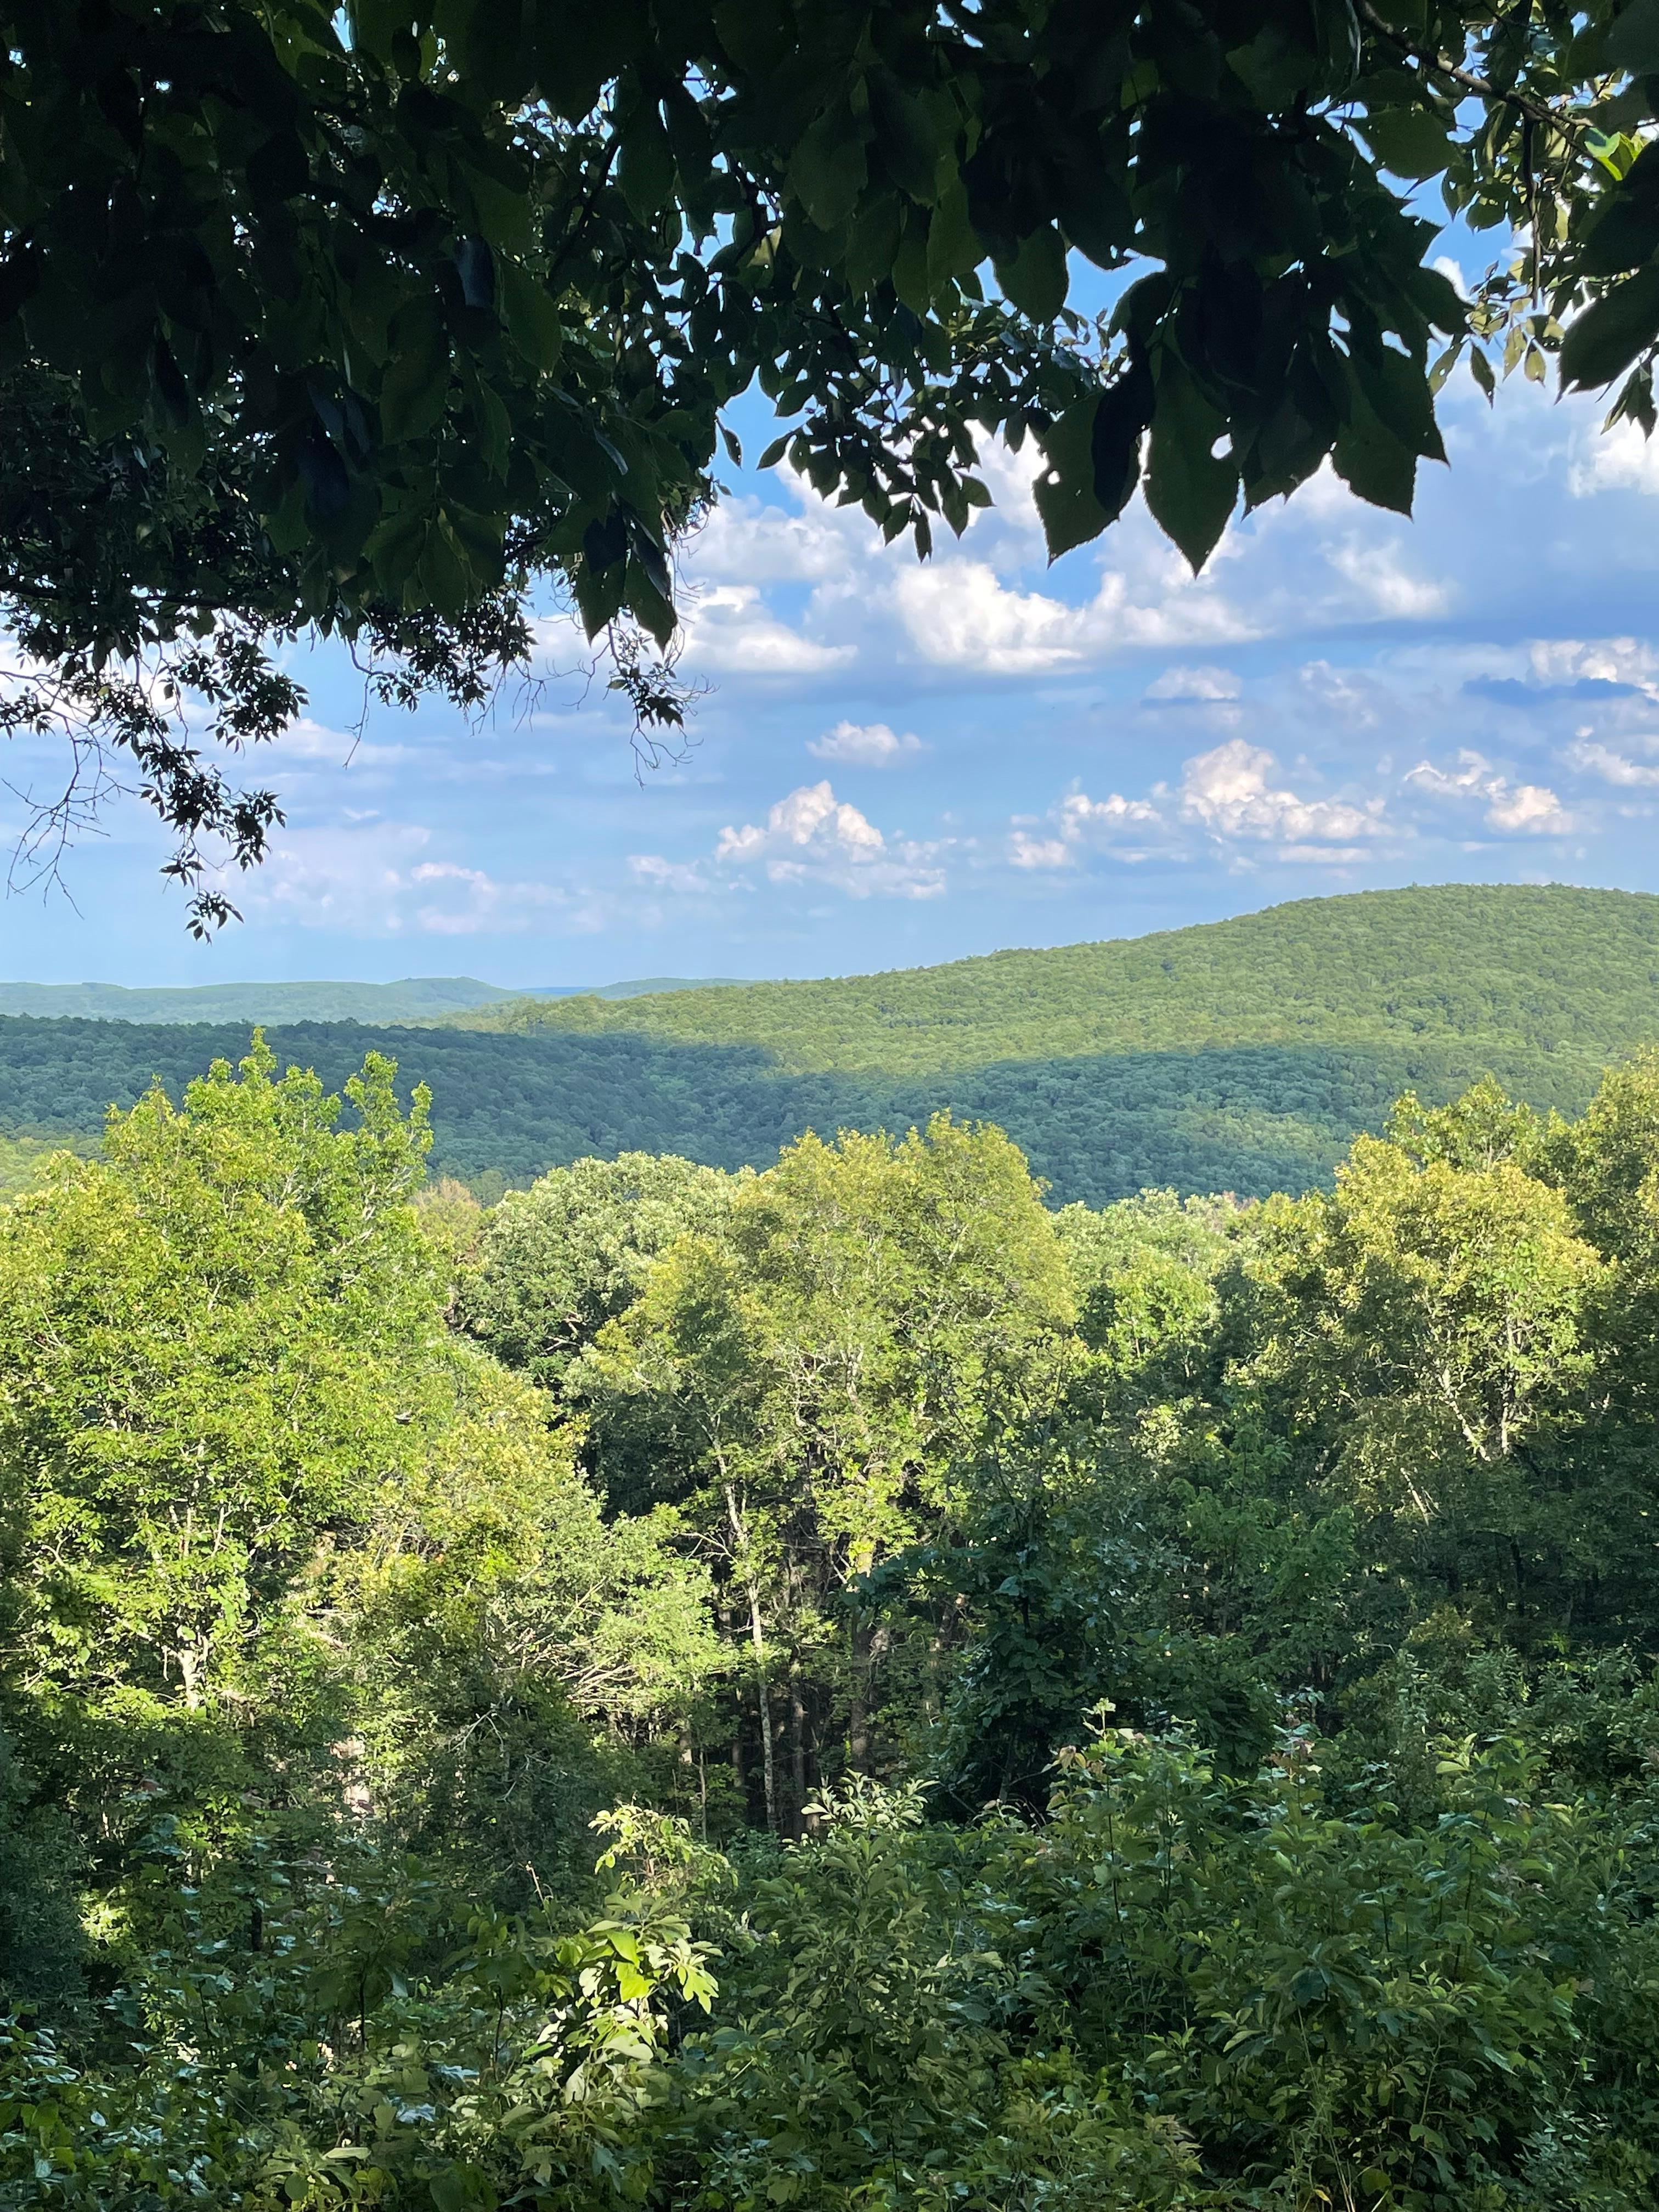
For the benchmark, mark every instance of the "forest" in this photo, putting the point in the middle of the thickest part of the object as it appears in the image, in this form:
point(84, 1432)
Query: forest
point(846, 1686)
point(1243, 1055)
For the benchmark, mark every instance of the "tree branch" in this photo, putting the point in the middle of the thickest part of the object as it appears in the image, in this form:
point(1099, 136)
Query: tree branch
point(1482, 87)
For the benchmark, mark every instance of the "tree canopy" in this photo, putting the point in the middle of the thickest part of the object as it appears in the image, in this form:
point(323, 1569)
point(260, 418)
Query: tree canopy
point(925, 1702)
point(381, 320)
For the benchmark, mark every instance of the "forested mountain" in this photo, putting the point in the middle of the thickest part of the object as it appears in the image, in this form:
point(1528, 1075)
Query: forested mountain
point(840, 1687)
point(1547, 970)
point(416, 999)
point(1243, 1055)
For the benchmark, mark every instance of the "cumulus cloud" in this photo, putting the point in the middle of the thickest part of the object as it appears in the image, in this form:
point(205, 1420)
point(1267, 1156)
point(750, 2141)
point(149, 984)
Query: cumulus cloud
point(1594, 660)
point(960, 614)
point(1531, 809)
point(1028, 851)
point(1229, 792)
point(373, 878)
point(1202, 686)
point(664, 875)
point(729, 628)
point(1380, 577)
point(865, 745)
point(1339, 696)
point(1615, 767)
point(743, 538)
point(809, 837)
point(1080, 825)
point(1618, 459)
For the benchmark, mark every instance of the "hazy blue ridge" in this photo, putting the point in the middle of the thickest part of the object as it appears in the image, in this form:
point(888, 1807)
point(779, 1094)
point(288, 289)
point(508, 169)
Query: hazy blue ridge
point(416, 1000)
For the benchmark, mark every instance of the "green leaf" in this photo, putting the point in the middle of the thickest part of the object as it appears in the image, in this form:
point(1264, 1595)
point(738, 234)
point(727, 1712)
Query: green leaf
point(872, 243)
point(1398, 389)
point(1371, 460)
point(1035, 280)
point(952, 246)
point(446, 575)
point(531, 313)
point(1612, 331)
point(415, 389)
point(829, 169)
point(776, 451)
point(1190, 490)
point(448, 2190)
point(1121, 419)
point(913, 133)
point(646, 167)
point(1633, 41)
point(578, 48)
point(1065, 491)
point(910, 264)
point(1412, 142)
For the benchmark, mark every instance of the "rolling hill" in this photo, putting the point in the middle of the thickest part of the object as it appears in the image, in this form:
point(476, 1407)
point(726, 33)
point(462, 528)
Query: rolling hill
point(416, 999)
point(1239, 1056)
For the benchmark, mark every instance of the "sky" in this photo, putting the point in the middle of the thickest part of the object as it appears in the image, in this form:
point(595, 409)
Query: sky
point(893, 764)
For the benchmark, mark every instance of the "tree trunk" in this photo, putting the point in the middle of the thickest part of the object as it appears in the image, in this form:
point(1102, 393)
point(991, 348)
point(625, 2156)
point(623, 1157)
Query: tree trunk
point(858, 1712)
point(798, 1746)
point(768, 1777)
point(870, 1644)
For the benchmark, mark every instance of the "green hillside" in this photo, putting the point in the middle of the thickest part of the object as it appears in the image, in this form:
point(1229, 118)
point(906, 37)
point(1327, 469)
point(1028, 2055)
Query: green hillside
point(1242, 1055)
point(1523, 968)
point(416, 999)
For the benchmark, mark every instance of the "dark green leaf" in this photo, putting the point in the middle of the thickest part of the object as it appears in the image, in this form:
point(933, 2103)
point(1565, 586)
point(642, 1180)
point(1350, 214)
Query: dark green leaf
point(1612, 331)
point(1065, 489)
point(1035, 280)
point(1412, 142)
point(646, 167)
point(829, 170)
point(1190, 489)
point(1121, 419)
point(1633, 41)
point(1371, 460)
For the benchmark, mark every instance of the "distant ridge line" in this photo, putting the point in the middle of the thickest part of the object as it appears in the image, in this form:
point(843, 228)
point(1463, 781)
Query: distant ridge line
point(1240, 1055)
point(414, 1000)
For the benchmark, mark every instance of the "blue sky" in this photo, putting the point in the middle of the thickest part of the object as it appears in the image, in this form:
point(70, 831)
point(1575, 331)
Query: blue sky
point(895, 763)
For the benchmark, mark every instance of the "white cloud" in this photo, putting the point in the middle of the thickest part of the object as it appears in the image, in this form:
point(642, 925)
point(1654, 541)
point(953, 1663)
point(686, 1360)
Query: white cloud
point(811, 836)
point(662, 875)
point(373, 878)
point(1597, 661)
point(728, 628)
point(310, 740)
point(1453, 272)
point(1339, 696)
point(960, 614)
point(1082, 817)
point(1028, 851)
point(1597, 759)
point(1378, 573)
point(1228, 792)
point(744, 539)
point(1196, 683)
point(1529, 808)
point(1618, 459)
point(865, 745)
point(1083, 825)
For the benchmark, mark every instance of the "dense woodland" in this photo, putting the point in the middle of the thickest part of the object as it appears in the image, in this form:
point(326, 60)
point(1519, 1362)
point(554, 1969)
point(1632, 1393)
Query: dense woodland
point(1242, 1055)
point(840, 1687)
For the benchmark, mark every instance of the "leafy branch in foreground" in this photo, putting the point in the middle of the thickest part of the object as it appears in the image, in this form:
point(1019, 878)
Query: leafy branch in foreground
point(351, 321)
